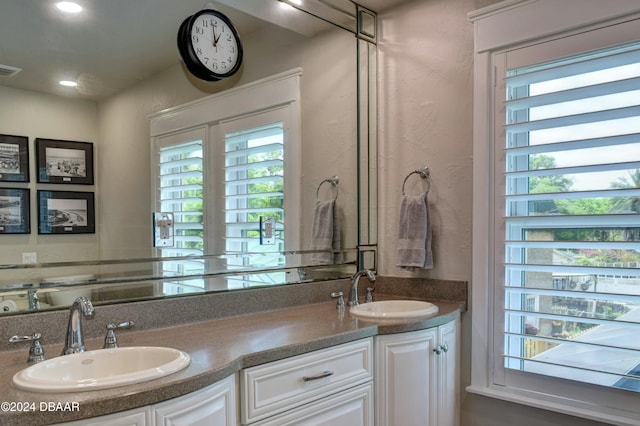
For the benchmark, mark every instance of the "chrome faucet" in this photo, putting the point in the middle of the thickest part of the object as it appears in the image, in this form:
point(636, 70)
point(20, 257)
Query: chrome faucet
point(75, 342)
point(34, 301)
point(353, 297)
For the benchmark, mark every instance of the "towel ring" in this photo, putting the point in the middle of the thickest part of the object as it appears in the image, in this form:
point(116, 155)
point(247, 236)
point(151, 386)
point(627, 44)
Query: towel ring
point(424, 174)
point(334, 180)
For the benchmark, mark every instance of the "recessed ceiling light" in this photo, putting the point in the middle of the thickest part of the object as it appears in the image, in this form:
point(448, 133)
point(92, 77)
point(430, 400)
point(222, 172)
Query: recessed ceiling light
point(70, 7)
point(68, 83)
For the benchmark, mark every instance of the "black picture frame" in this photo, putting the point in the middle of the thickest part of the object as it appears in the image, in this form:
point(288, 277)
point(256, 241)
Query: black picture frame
point(15, 211)
point(14, 158)
point(66, 212)
point(60, 161)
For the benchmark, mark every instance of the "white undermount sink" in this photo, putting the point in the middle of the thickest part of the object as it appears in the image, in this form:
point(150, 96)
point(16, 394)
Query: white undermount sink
point(394, 309)
point(101, 369)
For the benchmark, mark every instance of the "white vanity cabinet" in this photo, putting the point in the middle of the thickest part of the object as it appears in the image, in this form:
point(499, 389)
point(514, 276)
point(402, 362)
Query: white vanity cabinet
point(417, 377)
point(328, 386)
point(136, 417)
point(213, 405)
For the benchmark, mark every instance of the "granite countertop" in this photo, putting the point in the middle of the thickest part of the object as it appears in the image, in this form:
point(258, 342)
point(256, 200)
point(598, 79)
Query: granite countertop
point(218, 349)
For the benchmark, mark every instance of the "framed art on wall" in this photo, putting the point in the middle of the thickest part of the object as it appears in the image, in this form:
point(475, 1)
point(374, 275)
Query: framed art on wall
point(66, 212)
point(61, 161)
point(15, 211)
point(14, 158)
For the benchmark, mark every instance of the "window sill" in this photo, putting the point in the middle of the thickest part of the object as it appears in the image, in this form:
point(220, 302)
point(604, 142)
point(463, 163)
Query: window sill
point(550, 403)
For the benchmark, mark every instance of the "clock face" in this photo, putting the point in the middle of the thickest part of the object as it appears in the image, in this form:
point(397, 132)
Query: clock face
point(215, 43)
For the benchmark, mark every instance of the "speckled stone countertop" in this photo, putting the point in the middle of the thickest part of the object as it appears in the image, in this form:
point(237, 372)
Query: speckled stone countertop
point(219, 347)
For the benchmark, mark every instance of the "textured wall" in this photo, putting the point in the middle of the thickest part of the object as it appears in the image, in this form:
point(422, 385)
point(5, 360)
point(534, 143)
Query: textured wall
point(426, 76)
point(426, 119)
point(328, 131)
point(37, 115)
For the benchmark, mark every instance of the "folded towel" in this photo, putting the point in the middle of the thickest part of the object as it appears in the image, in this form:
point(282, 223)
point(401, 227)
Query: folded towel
point(325, 232)
point(414, 234)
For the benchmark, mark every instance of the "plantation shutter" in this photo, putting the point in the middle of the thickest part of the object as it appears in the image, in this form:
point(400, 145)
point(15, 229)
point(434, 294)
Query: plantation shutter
point(254, 191)
point(572, 227)
point(181, 189)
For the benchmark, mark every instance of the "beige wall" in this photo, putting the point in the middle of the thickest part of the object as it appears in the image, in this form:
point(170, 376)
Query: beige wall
point(426, 76)
point(328, 96)
point(119, 128)
point(426, 119)
point(37, 115)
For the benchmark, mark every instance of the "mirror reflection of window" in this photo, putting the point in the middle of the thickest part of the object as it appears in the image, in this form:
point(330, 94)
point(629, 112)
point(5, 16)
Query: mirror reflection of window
point(180, 191)
point(255, 193)
point(232, 179)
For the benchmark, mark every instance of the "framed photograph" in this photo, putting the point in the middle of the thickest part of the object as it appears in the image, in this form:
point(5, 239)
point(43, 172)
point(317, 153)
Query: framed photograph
point(15, 211)
point(66, 212)
point(14, 158)
point(64, 161)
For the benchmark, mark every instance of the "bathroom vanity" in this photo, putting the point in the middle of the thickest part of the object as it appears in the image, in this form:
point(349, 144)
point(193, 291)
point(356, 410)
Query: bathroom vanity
point(301, 364)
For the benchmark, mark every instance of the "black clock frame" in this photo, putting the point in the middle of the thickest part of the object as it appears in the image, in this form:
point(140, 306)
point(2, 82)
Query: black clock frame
point(189, 57)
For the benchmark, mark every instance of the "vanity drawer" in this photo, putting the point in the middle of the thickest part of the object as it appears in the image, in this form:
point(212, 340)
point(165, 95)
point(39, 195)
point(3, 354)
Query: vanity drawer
point(282, 385)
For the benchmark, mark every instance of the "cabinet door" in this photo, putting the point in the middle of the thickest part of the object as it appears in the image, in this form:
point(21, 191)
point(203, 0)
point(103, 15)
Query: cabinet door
point(448, 374)
point(349, 408)
point(136, 417)
point(213, 405)
point(406, 382)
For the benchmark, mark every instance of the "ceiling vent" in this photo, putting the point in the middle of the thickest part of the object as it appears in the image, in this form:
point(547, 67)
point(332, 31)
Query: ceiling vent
point(8, 71)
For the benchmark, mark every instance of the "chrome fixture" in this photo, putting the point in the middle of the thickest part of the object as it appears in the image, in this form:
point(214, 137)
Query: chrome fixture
point(34, 301)
point(74, 341)
point(36, 352)
point(110, 340)
point(353, 298)
point(340, 302)
point(369, 297)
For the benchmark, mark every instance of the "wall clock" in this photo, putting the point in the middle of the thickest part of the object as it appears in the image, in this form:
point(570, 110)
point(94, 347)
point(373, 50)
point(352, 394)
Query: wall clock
point(209, 45)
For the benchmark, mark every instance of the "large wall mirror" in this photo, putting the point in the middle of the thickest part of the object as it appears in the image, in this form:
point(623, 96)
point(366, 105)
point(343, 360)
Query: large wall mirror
point(307, 79)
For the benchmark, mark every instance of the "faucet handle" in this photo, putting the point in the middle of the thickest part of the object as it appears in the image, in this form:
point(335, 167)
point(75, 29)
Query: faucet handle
point(369, 297)
point(36, 351)
point(33, 299)
point(340, 303)
point(110, 340)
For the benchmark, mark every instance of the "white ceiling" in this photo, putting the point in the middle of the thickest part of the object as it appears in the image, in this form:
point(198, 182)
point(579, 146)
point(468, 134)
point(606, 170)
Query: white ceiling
point(110, 45)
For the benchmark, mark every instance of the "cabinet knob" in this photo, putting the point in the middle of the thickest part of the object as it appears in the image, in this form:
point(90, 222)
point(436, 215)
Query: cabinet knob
point(441, 348)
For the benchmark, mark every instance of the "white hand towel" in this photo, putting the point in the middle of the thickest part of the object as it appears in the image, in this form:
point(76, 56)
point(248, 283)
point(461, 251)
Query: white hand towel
point(414, 234)
point(325, 232)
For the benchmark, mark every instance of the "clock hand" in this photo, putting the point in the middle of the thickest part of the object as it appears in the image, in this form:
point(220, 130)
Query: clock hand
point(215, 39)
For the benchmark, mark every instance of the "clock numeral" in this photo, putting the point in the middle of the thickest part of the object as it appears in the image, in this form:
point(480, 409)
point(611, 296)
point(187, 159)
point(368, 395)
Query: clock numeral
point(196, 39)
point(229, 37)
point(199, 30)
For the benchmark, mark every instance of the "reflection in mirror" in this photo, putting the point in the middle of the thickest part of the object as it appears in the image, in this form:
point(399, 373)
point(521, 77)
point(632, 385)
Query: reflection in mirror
point(56, 286)
point(134, 125)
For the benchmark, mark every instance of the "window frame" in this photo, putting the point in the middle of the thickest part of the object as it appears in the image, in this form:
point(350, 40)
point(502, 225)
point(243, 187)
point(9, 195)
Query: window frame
point(278, 95)
point(573, 26)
